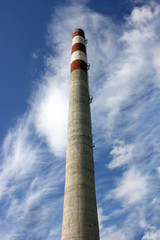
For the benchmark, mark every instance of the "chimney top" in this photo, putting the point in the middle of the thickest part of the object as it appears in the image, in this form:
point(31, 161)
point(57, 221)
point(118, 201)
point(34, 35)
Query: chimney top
point(78, 32)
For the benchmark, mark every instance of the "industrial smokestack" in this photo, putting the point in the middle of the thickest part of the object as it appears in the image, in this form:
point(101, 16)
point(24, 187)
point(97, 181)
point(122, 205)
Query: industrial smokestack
point(80, 220)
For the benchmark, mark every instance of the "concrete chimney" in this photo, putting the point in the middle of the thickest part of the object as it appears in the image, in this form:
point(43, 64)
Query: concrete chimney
point(80, 220)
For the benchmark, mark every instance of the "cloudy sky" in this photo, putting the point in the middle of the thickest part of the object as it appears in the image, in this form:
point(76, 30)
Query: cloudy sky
point(123, 51)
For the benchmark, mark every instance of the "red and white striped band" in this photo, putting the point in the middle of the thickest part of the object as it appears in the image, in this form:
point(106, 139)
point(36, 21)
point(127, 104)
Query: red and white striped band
point(78, 56)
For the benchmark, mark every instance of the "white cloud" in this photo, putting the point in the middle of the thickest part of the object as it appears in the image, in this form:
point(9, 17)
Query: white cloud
point(113, 233)
point(140, 16)
point(101, 218)
point(51, 116)
point(152, 234)
point(158, 170)
point(122, 153)
point(30, 180)
point(18, 153)
point(131, 188)
point(126, 79)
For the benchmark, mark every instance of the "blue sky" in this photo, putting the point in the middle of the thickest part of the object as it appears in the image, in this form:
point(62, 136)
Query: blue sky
point(123, 50)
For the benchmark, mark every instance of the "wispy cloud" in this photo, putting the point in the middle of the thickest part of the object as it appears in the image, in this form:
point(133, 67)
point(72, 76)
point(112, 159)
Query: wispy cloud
point(124, 79)
point(30, 180)
point(151, 233)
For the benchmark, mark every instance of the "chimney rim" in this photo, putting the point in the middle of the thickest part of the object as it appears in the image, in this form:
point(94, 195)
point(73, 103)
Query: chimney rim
point(78, 31)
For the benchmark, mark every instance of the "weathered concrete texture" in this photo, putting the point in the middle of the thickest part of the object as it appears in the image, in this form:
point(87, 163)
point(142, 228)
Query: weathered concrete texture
point(80, 220)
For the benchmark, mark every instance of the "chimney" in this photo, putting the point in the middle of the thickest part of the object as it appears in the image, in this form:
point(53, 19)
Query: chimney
point(80, 221)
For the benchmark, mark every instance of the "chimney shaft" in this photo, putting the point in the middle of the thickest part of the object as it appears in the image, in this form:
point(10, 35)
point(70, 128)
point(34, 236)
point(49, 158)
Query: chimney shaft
point(80, 220)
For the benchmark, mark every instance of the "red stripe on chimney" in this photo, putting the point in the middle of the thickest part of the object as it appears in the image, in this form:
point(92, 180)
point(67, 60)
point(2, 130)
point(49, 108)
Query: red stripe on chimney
point(79, 46)
point(78, 64)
